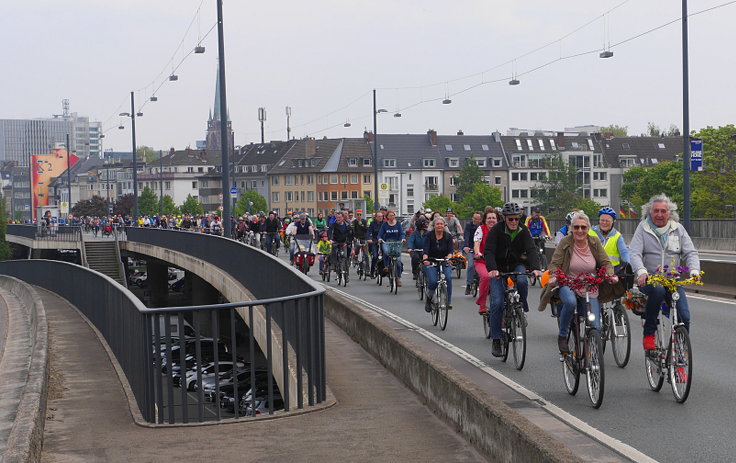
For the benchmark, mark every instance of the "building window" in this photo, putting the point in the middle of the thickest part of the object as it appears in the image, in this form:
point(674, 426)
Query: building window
point(310, 196)
point(393, 182)
point(287, 179)
point(410, 208)
point(324, 180)
point(429, 163)
point(530, 144)
point(453, 181)
point(453, 162)
point(485, 147)
point(343, 194)
point(367, 193)
point(205, 183)
point(600, 192)
point(367, 162)
point(481, 162)
point(200, 169)
point(333, 179)
point(497, 180)
point(353, 179)
point(496, 162)
point(194, 185)
point(333, 195)
point(410, 190)
point(428, 196)
point(448, 147)
point(537, 176)
point(167, 185)
point(518, 144)
point(366, 179)
point(519, 193)
point(389, 163)
point(431, 183)
point(466, 147)
point(344, 179)
point(289, 196)
point(310, 179)
point(453, 197)
point(354, 194)
point(275, 180)
point(541, 144)
point(275, 197)
point(601, 176)
point(352, 162)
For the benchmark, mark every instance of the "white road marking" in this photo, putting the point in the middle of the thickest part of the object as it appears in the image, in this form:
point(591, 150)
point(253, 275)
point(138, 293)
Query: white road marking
point(615, 444)
point(710, 298)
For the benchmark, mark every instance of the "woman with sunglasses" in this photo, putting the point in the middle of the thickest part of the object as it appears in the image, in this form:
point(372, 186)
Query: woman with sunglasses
point(578, 253)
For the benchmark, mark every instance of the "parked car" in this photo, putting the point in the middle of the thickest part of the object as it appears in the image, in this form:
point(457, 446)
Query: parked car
point(139, 278)
point(207, 351)
point(227, 396)
point(208, 371)
point(250, 407)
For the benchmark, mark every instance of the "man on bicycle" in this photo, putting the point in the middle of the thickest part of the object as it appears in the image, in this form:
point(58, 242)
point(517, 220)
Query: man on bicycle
point(510, 248)
point(372, 241)
point(470, 229)
point(660, 240)
point(537, 224)
point(340, 234)
point(271, 227)
point(415, 245)
point(453, 225)
point(360, 231)
point(300, 229)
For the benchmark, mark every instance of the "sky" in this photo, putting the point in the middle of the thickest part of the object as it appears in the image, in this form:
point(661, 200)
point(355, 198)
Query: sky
point(323, 58)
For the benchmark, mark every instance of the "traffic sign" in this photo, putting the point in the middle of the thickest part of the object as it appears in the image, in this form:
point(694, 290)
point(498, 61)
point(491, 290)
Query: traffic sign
point(219, 196)
point(64, 209)
point(109, 209)
point(696, 154)
point(233, 192)
point(383, 192)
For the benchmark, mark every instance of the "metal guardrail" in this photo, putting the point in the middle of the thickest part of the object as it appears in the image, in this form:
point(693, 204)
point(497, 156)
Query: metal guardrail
point(142, 341)
point(52, 233)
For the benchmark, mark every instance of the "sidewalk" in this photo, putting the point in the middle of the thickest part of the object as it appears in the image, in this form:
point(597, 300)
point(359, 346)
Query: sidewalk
point(376, 417)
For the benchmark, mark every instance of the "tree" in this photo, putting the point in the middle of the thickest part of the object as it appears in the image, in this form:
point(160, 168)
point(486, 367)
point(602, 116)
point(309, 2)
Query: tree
point(480, 196)
point(559, 192)
point(590, 207)
point(168, 205)
point(5, 252)
point(714, 188)
point(616, 130)
point(94, 207)
point(368, 204)
point(191, 206)
point(641, 183)
point(653, 129)
point(148, 202)
point(124, 205)
point(146, 153)
point(469, 175)
point(439, 203)
point(258, 203)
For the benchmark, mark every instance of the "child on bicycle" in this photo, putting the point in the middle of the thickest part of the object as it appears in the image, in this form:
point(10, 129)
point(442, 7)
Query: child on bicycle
point(324, 249)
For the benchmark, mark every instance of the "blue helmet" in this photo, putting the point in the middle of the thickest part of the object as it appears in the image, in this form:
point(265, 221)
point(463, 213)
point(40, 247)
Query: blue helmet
point(609, 211)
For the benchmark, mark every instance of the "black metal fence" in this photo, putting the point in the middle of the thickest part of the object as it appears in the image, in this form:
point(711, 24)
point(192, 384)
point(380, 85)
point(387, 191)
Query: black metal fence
point(46, 233)
point(149, 349)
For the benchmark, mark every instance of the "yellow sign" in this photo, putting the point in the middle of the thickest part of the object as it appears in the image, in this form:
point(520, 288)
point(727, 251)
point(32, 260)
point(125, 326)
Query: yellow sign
point(64, 208)
point(383, 192)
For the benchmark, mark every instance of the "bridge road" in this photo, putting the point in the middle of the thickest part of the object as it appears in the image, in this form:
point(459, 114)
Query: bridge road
point(650, 422)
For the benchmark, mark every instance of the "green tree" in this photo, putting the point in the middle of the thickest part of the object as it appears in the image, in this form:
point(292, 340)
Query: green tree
point(590, 207)
point(558, 193)
point(439, 203)
point(94, 207)
point(470, 175)
point(191, 206)
point(368, 204)
point(124, 205)
point(641, 183)
point(146, 153)
point(480, 196)
point(616, 130)
point(168, 205)
point(148, 202)
point(653, 129)
point(258, 203)
point(713, 188)
point(5, 252)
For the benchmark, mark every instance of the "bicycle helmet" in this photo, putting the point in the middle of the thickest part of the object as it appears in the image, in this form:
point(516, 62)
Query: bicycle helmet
point(536, 209)
point(511, 209)
point(607, 210)
point(568, 217)
point(323, 235)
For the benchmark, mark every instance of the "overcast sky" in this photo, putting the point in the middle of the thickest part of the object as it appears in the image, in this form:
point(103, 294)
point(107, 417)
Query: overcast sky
point(322, 55)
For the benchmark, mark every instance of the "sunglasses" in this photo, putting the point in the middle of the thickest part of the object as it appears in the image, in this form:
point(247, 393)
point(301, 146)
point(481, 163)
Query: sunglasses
point(512, 219)
point(580, 227)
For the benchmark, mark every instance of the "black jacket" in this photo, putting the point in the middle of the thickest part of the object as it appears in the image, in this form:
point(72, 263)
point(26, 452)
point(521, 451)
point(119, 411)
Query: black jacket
point(503, 254)
point(360, 228)
point(340, 233)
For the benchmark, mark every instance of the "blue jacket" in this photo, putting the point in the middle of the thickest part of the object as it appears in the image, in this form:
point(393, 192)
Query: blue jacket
point(416, 240)
point(391, 233)
point(470, 228)
point(373, 230)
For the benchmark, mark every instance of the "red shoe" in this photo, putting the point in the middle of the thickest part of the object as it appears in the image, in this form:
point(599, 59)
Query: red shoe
point(481, 310)
point(649, 343)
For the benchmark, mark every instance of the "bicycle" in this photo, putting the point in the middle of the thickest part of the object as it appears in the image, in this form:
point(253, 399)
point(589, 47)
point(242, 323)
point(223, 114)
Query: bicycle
point(587, 353)
point(514, 322)
point(303, 255)
point(363, 266)
point(440, 305)
point(421, 283)
point(394, 252)
point(675, 361)
point(541, 256)
point(326, 268)
point(615, 326)
point(341, 264)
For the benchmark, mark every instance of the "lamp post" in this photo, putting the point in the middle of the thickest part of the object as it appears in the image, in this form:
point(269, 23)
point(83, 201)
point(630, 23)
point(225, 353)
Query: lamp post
point(685, 122)
point(224, 135)
point(131, 115)
point(160, 184)
point(68, 174)
point(375, 151)
point(288, 121)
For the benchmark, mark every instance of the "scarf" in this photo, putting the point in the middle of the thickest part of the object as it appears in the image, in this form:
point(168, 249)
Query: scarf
point(662, 233)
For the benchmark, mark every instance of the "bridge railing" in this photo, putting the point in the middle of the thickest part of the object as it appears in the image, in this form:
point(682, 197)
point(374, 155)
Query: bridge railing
point(46, 233)
point(148, 343)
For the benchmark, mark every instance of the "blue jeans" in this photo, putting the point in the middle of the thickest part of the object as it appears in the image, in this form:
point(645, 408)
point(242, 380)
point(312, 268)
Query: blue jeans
point(470, 273)
point(400, 265)
point(570, 300)
point(433, 279)
point(655, 296)
point(498, 288)
point(373, 249)
point(271, 239)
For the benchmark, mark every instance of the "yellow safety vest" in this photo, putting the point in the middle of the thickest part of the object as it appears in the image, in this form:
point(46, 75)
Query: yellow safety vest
point(611, 246)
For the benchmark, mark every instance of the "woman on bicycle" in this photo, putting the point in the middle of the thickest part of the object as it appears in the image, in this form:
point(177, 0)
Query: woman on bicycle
point(320, 223)
point(438, 245)
point(416, 245)
point(372, 240)
point(479, 242)
point(578, 253)
point(612, 240)
point(391, 230)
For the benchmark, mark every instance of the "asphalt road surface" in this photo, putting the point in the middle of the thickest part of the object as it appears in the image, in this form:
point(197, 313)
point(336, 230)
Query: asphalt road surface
point(702, 429)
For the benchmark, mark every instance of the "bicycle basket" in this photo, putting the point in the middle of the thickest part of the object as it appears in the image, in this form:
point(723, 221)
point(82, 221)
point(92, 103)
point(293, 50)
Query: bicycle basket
point(625, 274)
point(394, 248)
point(635, 301)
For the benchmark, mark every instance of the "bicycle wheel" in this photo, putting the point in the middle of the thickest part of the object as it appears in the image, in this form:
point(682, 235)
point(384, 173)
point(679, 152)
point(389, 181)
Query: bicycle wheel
point(620, 335)
point(570, 370)
point(532, 279)
point(396, 276)
point(487, 325)
point(458, 270)
point(305, 265)
point(420, 284)
point(652, 365)
point(518, 336)
point(596, 373)
point(391, 276)
point(475, 286)
point(680, 364)
point(506, 328)
point(442, 305)
point(543, 261)
point(435, 312)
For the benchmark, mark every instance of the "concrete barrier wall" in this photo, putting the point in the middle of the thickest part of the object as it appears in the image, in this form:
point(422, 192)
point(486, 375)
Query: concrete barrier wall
point(26, 436)
point(496, 430)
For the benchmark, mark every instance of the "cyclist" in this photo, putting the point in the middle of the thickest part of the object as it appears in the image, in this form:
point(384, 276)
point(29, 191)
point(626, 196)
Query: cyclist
point(437, 245)
point(453, 225)
point(360, 231)
point(565, 229)
point(324, 249)
point(506, 247)
point(537, 224)
point(479, 243)
point(468, 234)
point(301, 229)
point(416, 244)
point(339, 233)
point(391, 230)
point(660, 240)
point(320, 223)
point(271, 227)
point(578, 253)
point(372, 241)
point(612, 239)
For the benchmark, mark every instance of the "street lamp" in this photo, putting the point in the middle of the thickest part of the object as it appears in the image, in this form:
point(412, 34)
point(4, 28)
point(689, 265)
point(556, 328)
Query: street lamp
point(375, 151)
point(132, 115)
point(685, 123)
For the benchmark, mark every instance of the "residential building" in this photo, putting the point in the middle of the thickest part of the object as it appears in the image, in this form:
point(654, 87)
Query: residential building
point(254, 161)
point(348, 175)
point(179, 173)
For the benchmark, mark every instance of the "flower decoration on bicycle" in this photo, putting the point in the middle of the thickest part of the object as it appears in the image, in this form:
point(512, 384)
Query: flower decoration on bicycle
point(584, 280)
point(670, 277)
point(636, 301)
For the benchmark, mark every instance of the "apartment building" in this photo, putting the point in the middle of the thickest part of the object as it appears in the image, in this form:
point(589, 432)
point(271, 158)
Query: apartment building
point(254, 161)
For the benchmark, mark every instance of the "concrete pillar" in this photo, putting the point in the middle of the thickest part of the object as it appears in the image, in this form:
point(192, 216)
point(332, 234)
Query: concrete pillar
point(203, 293)
point(158, 284)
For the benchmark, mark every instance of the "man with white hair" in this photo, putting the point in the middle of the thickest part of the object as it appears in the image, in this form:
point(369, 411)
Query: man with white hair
point(660, 240)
